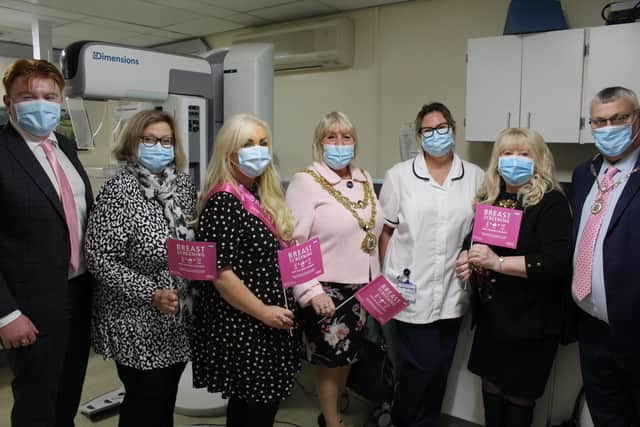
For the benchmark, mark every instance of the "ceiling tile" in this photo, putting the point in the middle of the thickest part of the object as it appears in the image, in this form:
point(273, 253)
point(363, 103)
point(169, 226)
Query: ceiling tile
point(357, 4)
point(40, 10)
point(197, 6)
point(117, 25)
point(84, 31)
point(203, 26)
point(300, 9)
point(22, 20)
point(246, 19)
point(247, 5)
point(131, 11)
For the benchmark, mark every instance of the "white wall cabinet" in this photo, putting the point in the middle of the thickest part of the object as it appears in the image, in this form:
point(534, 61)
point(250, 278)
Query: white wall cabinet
point(613, 59)
point(494, 66)
point(546, 81)
point(525, 81)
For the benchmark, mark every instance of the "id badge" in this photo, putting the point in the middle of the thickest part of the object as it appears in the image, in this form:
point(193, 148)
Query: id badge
point(407, 287)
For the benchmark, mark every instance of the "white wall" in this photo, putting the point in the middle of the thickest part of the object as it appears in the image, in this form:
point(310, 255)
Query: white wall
point(409, 54)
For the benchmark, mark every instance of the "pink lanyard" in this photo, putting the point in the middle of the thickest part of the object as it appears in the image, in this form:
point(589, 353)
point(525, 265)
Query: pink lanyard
point(250, 204)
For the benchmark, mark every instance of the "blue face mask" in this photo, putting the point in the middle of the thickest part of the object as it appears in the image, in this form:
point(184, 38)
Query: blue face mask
point(155, 158)
point(438, 145)
point(515, 170)
point(338, 156)
point(253, 161)
point(38, 117)
point(612, 141)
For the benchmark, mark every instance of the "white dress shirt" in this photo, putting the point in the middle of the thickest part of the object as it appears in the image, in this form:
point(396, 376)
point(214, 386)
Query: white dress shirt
point(430, 222)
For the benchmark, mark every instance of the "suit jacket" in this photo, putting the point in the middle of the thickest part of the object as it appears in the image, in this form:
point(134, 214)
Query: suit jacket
point(532, 307)
point(34, 239)
point(621, 257)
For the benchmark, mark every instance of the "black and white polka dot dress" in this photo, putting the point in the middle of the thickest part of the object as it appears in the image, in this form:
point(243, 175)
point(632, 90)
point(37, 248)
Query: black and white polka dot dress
point(232, 352)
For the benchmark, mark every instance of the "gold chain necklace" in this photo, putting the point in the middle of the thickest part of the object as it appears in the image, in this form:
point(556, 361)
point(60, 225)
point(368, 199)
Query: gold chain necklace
point(370, 241)
point(598, 204)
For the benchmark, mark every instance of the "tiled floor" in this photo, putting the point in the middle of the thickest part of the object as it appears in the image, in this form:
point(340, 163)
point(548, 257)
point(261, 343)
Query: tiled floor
point(300, 409)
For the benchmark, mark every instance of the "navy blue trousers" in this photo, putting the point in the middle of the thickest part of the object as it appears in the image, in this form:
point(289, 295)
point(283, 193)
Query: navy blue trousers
point(611, 375)
point(425, 354)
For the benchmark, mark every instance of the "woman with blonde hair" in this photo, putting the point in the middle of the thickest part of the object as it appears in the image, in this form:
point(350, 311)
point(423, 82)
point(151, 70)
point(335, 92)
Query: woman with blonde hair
point(243, 343)
point(334, 200)
point(520, 291)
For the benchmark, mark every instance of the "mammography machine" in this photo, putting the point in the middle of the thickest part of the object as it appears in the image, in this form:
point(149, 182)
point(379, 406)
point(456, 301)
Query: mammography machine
point(199, 92)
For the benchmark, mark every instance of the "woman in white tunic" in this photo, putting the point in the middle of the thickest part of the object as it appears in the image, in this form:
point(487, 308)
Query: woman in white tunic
point(427, 206)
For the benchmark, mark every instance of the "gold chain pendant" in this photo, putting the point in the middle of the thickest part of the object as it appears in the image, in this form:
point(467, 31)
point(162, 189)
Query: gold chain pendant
point(596, 207)
point(369, 242)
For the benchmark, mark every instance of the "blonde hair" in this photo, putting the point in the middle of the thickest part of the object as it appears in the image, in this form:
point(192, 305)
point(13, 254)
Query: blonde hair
point(323, 128)
point(235, 132)
point(127, 147)
point(543, 179)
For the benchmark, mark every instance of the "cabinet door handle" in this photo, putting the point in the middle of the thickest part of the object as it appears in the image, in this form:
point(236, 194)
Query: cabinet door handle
point(508, 119)
point(529, 120)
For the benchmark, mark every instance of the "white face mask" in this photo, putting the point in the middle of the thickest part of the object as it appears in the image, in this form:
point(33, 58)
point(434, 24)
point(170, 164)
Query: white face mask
point(253, 161)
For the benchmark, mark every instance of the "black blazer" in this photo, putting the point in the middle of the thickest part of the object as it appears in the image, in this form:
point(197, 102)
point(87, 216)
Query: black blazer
point(34, 240)
point(621, 257)
point(531, 308)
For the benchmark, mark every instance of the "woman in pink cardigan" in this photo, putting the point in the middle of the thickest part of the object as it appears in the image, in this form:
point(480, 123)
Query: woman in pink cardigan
point(334, 200)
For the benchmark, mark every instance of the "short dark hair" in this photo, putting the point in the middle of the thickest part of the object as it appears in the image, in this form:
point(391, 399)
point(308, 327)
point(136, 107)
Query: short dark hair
point(431, 108)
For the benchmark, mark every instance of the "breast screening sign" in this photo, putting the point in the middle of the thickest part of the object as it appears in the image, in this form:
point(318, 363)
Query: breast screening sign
point(300, 263)
point(381, 300)
point(497, 226)
point(192, 260)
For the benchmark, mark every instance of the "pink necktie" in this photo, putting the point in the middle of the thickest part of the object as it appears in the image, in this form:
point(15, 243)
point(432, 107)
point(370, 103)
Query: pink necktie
point(68, 202)
point(584, 260)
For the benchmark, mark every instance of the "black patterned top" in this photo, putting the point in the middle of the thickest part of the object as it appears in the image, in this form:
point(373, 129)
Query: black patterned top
point(126, 252)
point(233, 352)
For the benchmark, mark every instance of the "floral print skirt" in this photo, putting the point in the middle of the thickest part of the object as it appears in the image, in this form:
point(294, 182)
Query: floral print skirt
point(335, 341)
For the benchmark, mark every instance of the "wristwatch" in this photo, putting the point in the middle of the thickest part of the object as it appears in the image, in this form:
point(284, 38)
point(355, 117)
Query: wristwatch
point(500, 262)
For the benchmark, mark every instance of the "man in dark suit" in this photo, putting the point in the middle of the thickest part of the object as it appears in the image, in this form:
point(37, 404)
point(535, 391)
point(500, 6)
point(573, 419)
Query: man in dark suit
point(45, 292)
point(606, 287)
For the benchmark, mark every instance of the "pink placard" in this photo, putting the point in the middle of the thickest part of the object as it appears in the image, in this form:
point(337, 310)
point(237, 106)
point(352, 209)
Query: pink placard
point(192, 260)
point(497, 226)
point(300, 263)
point(381, 299)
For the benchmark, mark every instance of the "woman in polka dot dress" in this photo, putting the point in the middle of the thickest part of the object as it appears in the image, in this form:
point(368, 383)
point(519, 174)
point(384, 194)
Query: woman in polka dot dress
point(244, 343)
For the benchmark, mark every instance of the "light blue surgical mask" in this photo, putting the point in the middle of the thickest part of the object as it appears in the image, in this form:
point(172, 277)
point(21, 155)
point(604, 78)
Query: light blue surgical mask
point(438, 145)
point(155, 158)
point(338, 156)
point(612, 141)
point(253, 161)
point(515, 170)
point(38, 117)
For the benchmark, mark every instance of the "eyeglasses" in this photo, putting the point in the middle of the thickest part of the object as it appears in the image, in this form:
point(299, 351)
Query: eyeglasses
point(441, 129)
point(150, 141)
point(616, 119)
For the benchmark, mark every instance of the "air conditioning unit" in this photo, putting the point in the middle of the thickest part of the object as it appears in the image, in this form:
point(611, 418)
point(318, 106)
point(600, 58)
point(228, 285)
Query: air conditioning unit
point(316, 45)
